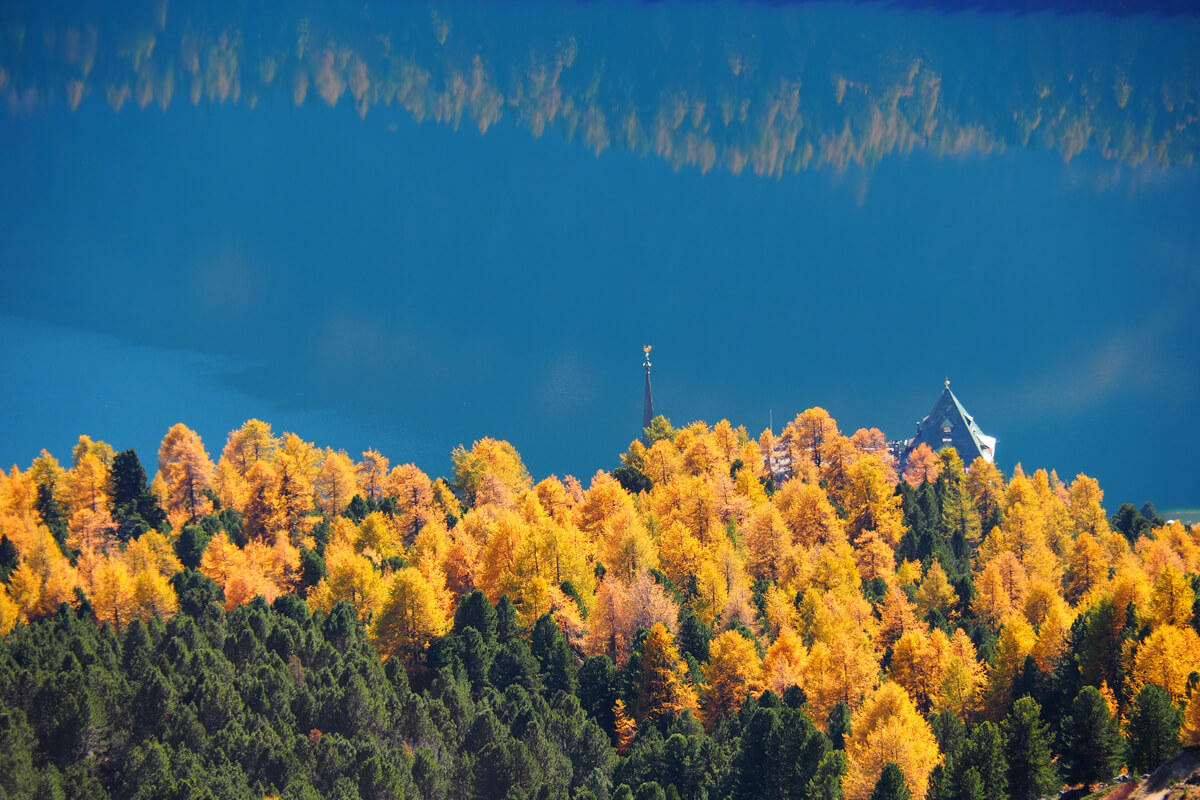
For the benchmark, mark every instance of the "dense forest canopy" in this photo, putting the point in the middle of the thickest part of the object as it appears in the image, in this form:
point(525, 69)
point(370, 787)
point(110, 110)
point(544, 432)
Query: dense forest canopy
point(718, 616)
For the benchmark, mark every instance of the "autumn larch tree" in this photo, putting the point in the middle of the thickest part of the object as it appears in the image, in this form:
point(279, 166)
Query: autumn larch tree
point(887, 728)
point(663, 688)
point(733, 671)
point(186, 471)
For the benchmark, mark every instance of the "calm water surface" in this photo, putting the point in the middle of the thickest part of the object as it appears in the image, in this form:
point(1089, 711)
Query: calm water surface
point(409, 226)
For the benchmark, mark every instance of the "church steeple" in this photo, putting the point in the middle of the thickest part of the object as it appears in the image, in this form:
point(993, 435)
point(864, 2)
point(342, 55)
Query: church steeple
point(648, 403)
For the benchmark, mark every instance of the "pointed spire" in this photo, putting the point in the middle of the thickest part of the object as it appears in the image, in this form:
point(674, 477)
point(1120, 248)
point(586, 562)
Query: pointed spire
point(648, 403)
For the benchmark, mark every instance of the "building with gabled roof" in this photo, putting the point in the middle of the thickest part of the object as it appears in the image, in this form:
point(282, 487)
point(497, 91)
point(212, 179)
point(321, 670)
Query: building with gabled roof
point(949, 425)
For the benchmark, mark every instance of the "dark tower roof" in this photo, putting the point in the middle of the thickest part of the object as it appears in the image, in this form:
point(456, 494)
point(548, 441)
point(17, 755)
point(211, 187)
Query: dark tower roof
point(949, 425)
point(648, 403)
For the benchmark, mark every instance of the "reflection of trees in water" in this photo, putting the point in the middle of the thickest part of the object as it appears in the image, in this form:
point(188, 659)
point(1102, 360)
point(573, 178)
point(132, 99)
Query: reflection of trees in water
point(815, 92)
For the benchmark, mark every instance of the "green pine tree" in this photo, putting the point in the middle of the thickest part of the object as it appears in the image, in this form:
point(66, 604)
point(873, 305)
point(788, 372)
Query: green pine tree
point(1093, 748)
point(1027, 746)
point(1153, 732)
point(891, 784)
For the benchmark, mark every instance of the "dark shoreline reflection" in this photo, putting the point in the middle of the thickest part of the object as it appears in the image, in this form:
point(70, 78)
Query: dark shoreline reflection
point(749, 88)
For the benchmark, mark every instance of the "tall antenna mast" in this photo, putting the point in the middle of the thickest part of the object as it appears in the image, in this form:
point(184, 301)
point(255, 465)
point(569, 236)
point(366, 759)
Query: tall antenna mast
point(648, 402)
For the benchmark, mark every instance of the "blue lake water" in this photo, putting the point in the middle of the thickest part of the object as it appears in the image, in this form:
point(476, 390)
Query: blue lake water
point(410, 226)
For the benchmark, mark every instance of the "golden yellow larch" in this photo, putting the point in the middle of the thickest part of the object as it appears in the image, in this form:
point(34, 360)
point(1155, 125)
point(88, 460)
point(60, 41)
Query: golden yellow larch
point(875, 557)
point(46, 471)
point(702, 457)
point(985, 484)
point(18, 501)
point(349, 577)
point(112, 595)
point(1171, 599)
point(101, 450)
point(922, 466)
point(1058, 526)
point(779, 610)
point(1129, 584)
point(44, 579)
point(808, 514)
point(840, 454)
point(559, 554)
point(336, 483)
point(887, 728)
point(377, 534)
point(297, 464)
point(263, 514)
point(836, 571)
point(627, 548)
point(841, 666)
point(908, 572)
point(9, 613)
point(748, 485)
point(415, 506)
point(152, 551)
point(84, 492)
point(409, 617)
point(1040, 597)
point(691, 502)
point(222, 560)
point(712, 592)
point(1185, 543)
point(1190, 735)
point(896, 617)
point(372, 474)
point(935, 592)
point(626, 727)
point(662, 462)
point(1166, 658)
point(1087, 516)
point(249, 444)
point(680, 552)
point(808, 436)
point(556, 501)
point(1087, 568)
point(962, 678)
point(489, 458)
point(919, 662)
point(1053, 631)
point(232, 488)
point(663, 686)
point(1022, 532)
point(1017, 639)
point(605, 505)
point(499, 566)
point(153, 595)
point(1157, 554)
point(187, 471)
point(1000, 588)
point(872, 502)
point(733, 671)
point(784, 663)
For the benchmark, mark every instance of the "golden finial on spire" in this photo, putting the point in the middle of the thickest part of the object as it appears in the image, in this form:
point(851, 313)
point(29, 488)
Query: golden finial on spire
point(647, 349)
point(947, 382)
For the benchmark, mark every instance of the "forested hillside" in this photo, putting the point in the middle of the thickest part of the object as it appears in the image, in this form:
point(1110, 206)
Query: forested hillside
point(290, 621)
